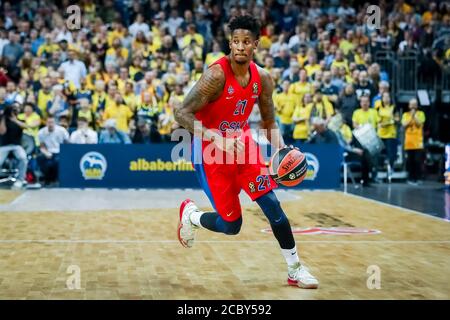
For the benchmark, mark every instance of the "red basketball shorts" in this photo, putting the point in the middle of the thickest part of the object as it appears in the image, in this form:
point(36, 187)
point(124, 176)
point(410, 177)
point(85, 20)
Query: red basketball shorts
point(222, 182)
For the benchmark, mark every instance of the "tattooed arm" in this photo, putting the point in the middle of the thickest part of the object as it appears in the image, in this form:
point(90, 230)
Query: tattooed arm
point(267, 110)
point(206, 90)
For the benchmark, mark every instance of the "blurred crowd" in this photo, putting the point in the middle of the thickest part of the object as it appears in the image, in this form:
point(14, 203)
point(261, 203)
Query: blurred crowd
point(116, 77)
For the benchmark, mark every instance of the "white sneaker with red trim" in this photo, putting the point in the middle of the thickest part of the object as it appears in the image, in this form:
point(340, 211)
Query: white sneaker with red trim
point(186, 229)
point(299, 276)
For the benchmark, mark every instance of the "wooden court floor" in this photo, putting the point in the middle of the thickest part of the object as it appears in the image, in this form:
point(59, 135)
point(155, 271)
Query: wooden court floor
point(135, 254)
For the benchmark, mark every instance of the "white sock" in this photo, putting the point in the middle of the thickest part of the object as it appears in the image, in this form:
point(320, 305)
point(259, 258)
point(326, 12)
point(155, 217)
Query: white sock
point(291, 256)
point(195, 217)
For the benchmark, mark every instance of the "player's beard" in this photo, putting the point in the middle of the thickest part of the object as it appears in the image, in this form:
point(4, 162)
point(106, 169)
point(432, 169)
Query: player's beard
point(240, 62)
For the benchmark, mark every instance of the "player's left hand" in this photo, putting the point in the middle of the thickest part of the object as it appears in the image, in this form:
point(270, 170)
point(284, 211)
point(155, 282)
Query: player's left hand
point(290, 147)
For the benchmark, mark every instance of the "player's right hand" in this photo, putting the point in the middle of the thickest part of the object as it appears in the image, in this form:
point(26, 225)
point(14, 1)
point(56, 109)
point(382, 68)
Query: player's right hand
point(229, 144)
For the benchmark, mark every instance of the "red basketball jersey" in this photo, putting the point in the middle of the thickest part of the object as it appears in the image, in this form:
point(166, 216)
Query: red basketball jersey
point(230, 112)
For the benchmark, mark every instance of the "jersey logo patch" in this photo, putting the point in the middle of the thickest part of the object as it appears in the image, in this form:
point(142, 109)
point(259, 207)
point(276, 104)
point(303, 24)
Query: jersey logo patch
point(230, 90)
point(255, 87)
point(251, 186)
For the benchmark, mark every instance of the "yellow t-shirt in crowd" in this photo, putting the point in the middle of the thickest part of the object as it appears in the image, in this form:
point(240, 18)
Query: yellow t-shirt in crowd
point(413, 133)
point(427, 17)
point(196, 36)
point(406, 8)
point(300, 89)
point(284, 106)
point(340, 64)
point(34, 121)
point(42, 100)
point(302, 60)
point(301, 129)
point(131, 100)
point(346, 133)
point(98, 100)
point(346, 46)
point(91, 78)
point(132, 70)
point(121, 113)
point(213, 57)
point(166, 125)
point(358, 59)
point(114, 34)
point(386, 116)
point(311, 69)
point(322, 109)
point(88, 115)
point(265, 42)
point(40, 73)
point(108, 77)
point(123, 53)
point(48, 48)
point(361, 117)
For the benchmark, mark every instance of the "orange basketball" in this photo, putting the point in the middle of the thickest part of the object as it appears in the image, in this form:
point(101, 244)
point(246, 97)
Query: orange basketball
point(288, 166)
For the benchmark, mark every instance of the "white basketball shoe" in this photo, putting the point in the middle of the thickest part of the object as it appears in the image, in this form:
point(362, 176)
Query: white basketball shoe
point(298, 275)
point(186, 229)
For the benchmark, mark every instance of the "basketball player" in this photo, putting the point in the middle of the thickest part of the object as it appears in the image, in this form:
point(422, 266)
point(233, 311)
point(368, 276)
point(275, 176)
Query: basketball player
point(223, 99)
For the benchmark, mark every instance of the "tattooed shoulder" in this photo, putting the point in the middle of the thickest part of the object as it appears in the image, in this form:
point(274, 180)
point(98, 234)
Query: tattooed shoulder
point(207, 89)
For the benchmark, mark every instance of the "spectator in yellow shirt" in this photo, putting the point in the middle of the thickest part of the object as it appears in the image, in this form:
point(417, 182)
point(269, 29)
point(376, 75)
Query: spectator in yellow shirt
point(365, 114)
point(94, 75)
point(312, 66)
point(117, 32)
point(198, 70)
point(45, 94)
point(214, 55)
point(302, 86)
point(32, 120)
point(48, 47)
point(284, 105)
point(301, 118)
point(122, 79)
point(266, 39)
point(120, 112)
point(387, 130)
point(110, 72)
point(129, 97)
point(99, 96)
point(413, 121)
point(192, 35)
point(302, 57)
point(340, 61)
point(167, 121)
point(321, 107)
point(347, 44)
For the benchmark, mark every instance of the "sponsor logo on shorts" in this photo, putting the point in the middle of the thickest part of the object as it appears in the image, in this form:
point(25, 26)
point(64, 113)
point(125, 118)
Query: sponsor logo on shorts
point(251, 186)
point(339, 231)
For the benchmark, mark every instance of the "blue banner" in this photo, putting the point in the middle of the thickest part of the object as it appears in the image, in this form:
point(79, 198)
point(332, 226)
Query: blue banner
point(150, 166)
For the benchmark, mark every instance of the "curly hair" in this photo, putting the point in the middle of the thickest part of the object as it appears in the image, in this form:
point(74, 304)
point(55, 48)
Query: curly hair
point(245, 22)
